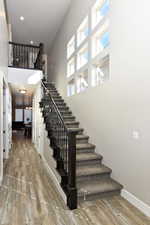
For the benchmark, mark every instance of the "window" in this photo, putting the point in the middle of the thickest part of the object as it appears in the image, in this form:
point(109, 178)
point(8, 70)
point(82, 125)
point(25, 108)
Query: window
point(71, 88)
point(71, 47)
point(27, 115)
point(100, 72)
point(82, 81)
point(19, 115)
point(71, 67)
point(100, 39)
point(88, 50)
point(99, 11)
point(82, 32)
point(82, 56)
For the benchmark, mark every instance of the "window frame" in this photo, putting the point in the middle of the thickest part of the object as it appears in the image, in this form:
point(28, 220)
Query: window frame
point(87, 43)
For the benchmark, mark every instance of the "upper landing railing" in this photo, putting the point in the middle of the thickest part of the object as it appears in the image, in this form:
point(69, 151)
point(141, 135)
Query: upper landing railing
point(26, 56)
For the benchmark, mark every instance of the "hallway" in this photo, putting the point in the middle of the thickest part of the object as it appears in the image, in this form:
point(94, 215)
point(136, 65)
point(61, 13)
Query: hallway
point(29, 197)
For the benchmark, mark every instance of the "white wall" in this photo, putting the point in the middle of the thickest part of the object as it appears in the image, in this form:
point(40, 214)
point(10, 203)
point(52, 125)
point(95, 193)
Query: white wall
point(111, 112)
point(23, 76)
point(37, 121)
point(3, 74)
point(7, 122)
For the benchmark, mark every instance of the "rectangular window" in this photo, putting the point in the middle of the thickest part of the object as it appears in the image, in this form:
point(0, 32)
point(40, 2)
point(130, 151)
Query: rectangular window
point(100, 72)
point(27, 116)
point(82, 57)
point(99, 11)
point(71, 67)
point(71, 47)
point(71, 88)
point(82, 81)
point(82, 32)
point(100, 39)
point(19, 115)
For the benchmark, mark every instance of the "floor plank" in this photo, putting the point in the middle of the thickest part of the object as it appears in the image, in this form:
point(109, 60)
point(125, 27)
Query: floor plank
point(28, 197)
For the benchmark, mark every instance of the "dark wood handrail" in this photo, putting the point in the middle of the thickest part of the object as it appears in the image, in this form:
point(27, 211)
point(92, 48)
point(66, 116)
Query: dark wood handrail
point(56, 107)
point(25, 45)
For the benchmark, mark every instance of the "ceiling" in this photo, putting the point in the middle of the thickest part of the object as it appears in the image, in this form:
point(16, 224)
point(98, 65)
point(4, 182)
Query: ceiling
point(43, 19)
point(20, 100)
point(18, 79)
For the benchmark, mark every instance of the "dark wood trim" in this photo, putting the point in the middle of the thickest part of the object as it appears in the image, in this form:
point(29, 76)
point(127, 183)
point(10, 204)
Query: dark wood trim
point(24, 45)
point(23, 68)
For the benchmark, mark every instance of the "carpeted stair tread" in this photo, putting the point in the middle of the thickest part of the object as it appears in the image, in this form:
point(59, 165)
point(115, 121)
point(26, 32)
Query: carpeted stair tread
point(92, 170)
point(75, 129)
point(71, 122)
point(98, 186)
point(69, 117)
point(82, 136)
point(88, 156)
point(85, 146)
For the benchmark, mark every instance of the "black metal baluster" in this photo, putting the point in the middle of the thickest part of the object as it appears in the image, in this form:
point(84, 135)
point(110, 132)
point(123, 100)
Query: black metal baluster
point(63, 143)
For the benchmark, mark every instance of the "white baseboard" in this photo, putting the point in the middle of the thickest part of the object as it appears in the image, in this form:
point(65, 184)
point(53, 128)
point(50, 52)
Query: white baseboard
point(143, 207)
point(56, 181)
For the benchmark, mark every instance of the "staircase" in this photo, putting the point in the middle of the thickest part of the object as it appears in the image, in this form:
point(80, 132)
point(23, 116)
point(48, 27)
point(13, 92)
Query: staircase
point(93, 178)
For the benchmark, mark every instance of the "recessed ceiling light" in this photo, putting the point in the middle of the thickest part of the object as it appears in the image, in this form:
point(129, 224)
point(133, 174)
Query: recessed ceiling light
point(23, 91)
point(21, 18)
point(31, 42)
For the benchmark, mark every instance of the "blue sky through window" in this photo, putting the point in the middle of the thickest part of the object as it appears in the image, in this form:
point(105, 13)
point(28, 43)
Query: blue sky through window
point(86, 55)
point(104, 41)
point(105, 8)
point(86, 32)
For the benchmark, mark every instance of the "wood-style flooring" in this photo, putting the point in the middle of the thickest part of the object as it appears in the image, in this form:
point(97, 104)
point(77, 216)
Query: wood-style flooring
point(28, 197)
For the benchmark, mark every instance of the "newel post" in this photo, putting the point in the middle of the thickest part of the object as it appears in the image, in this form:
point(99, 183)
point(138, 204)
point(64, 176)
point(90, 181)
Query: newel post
point(72, 189)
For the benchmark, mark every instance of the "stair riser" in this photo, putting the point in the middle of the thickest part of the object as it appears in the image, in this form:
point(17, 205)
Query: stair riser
point(54, 93)
point(85, 150)
point(59, 104)
point(50, 87)
point(48, 128)
point(58, 101)
point(90, 177)
point(89, 162)
point(82, 141)
point(92, 197)
point(46, 116)
point(63, 104)
point(63, 108)
point(72, 125)
point(69, 120)
point(57, 98)
point(53, 90)
point(66, 113)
